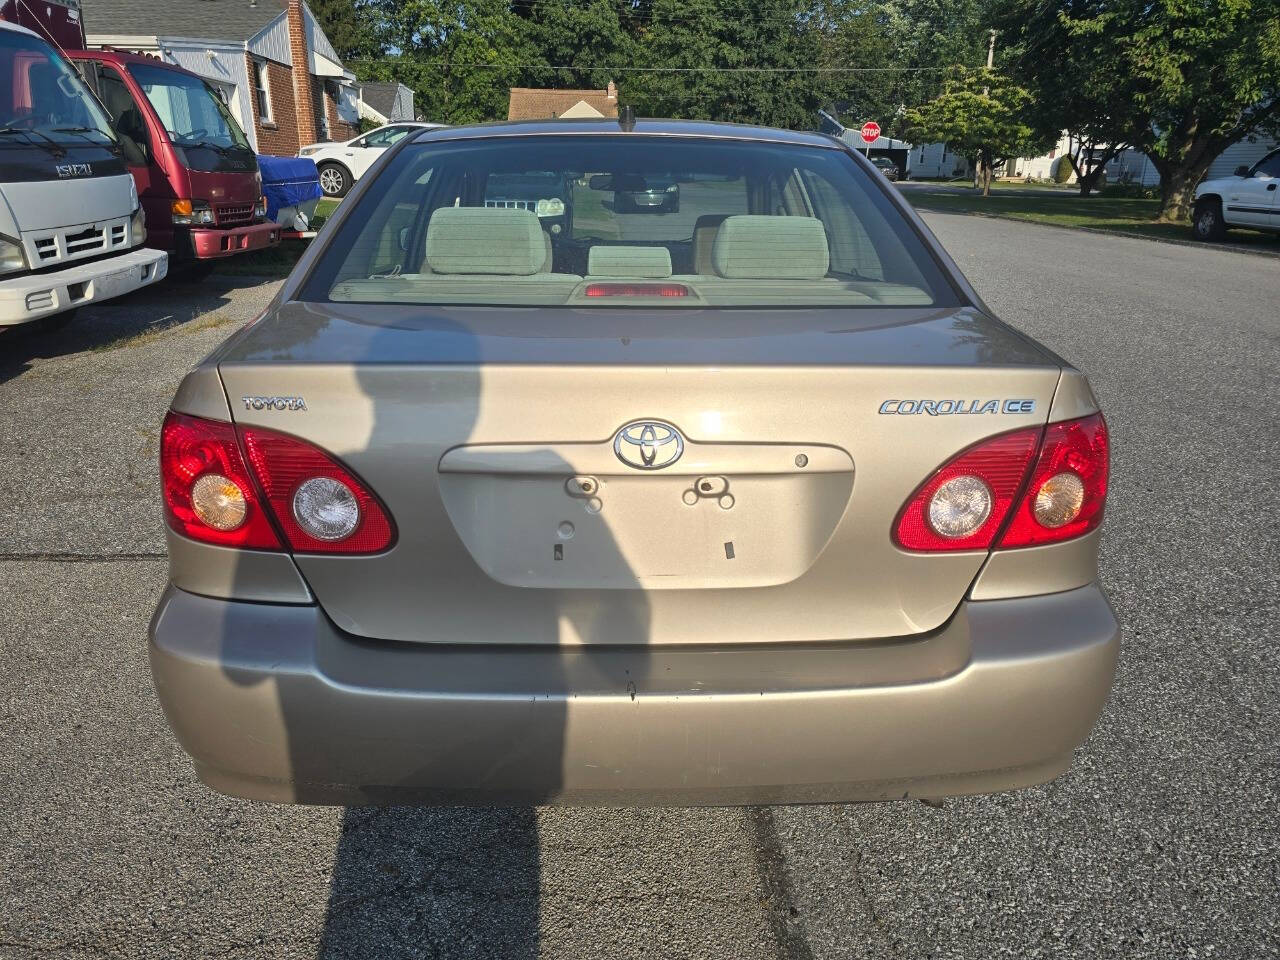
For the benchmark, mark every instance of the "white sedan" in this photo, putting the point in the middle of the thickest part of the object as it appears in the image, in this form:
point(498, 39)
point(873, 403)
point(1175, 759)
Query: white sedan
point(342, 164)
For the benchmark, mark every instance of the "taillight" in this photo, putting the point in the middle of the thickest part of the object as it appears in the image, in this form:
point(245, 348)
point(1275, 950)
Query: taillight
point(208, 493)
point(211, 494)
point(964, 504)
point(1068, 487)
point(986, 489)
point(320, 505)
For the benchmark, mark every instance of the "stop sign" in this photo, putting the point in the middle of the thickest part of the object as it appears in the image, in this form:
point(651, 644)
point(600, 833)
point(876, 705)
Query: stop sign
point(870, 131)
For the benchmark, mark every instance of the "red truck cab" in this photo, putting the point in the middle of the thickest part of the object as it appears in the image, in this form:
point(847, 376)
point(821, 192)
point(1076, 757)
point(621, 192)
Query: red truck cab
point(196, 174)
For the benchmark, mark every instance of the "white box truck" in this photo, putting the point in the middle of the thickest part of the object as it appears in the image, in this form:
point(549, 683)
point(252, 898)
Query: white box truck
point(72, 230)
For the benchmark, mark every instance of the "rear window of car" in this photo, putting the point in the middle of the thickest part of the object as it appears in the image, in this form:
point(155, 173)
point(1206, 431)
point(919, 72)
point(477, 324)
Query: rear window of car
point(626, 220)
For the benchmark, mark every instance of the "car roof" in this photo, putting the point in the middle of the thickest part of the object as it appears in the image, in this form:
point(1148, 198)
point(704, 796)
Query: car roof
point(607, 126)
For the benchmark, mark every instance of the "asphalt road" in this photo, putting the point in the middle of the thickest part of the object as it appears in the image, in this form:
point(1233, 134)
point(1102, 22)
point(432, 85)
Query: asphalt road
point(1163, 841)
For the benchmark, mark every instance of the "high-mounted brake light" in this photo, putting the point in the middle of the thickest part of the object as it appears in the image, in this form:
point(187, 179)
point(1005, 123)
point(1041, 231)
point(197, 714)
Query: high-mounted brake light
point(321, 506)
point(208, 493)
point(986, 489)
point(636, 290)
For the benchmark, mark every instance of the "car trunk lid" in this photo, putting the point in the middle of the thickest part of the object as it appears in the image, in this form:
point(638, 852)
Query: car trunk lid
point(516, 469)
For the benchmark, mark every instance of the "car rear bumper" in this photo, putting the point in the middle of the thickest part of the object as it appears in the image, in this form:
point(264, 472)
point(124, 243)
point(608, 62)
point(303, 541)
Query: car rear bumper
point(228, 241)
point(274, 703)
point(35, 295)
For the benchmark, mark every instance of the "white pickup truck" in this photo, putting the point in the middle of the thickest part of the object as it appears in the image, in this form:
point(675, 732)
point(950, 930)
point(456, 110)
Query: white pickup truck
point(71, 227)
point(1250, 198)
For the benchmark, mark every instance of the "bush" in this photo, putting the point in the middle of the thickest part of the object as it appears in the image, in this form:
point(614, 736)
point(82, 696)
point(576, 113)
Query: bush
point(1062, 170)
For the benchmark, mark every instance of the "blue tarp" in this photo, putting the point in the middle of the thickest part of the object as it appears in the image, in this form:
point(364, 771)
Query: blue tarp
point(288, 181)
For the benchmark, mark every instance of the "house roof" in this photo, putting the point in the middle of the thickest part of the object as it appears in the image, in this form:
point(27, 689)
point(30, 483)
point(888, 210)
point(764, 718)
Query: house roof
point(380, 96)
point(536, 103)
point(203, 19)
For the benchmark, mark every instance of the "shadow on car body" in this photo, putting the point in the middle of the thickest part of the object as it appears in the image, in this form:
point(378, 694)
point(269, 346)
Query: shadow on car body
point(450, 880)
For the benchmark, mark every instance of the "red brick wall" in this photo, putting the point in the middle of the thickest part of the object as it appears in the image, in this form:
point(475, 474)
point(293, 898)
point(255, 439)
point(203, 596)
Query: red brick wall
point(301, 73)
point(280, 136)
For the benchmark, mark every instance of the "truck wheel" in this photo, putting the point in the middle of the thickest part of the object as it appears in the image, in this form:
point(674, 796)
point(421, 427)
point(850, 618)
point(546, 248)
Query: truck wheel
point(335, 181)
point(1207, 223)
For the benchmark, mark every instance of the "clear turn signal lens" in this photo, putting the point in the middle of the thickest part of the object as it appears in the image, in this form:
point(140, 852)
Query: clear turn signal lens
point(219, 502)
point(326, 509)
point(959, 507)
point(1059, 499)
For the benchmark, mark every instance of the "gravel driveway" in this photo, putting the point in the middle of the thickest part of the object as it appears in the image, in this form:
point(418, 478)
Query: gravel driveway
point(1163, 841)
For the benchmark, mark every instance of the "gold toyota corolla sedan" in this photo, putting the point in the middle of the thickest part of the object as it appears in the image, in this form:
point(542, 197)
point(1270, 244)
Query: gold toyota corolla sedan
point(514, 496)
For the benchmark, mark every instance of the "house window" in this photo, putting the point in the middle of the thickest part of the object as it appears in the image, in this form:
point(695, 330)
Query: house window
point(262, 90)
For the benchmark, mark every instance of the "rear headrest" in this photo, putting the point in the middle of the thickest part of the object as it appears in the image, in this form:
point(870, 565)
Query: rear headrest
point(493, 240)
point(645, 262)
point(752, 247)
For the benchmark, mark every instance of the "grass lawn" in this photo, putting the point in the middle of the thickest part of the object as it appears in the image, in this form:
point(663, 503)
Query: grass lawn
point(1072, 210)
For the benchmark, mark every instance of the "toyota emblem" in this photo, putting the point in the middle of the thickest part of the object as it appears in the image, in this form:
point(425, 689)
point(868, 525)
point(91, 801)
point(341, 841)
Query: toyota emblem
point(648, 444)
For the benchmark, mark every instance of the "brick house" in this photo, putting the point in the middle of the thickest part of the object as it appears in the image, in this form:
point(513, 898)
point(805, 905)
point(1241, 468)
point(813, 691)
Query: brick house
point(269, 59)
point(540, 103)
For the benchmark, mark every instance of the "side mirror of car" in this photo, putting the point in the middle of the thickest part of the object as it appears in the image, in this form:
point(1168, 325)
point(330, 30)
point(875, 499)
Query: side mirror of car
point(404, 239)
point(1242, 171)
point(601, 181)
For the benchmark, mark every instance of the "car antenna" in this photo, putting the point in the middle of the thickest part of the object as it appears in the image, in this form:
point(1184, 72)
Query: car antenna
point(627, 118)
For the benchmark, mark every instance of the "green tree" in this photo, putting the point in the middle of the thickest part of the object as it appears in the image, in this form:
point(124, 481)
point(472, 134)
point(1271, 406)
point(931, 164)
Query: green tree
point(1200, 76)
point(460, 58)
point(1063, 64)
point(710, 41)
point(597, 32)
point(350, 25)
point(983, 116)
point(913, 38)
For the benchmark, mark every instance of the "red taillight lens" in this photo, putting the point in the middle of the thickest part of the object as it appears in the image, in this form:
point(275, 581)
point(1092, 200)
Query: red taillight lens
point(1068, 487)
point(988, 484)
point(999, 463)
point(295, 478)
point(208, 493)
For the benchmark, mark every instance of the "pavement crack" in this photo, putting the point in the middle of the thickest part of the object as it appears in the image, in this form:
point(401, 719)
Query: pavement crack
point(60, 557)
point(783, 915)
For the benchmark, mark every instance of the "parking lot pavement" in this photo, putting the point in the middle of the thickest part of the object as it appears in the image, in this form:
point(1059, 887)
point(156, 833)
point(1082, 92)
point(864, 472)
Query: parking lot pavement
point(1162, 841)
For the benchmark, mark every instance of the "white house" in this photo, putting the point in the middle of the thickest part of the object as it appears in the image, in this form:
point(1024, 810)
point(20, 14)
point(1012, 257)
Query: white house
point(269, 59)
point(929, 161)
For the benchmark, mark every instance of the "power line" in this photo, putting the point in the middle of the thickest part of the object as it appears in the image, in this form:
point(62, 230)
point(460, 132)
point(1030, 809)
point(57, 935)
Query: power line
point(621, 69)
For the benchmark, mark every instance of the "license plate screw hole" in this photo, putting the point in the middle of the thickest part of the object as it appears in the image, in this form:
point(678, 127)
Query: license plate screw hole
point(801, 460)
